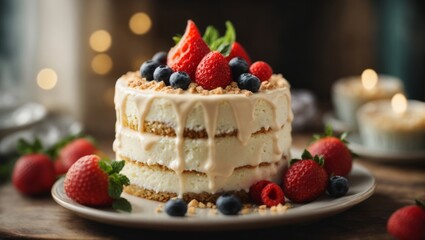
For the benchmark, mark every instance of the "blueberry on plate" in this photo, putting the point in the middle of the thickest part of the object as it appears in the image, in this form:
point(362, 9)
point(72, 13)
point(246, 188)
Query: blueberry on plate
point(237, 67)
point(249, 82)
point(176, 207)
point(180, 80)
point(147, 69)
point(337, 186)
point(163, 73)
point(229, 204)
point(160, 57)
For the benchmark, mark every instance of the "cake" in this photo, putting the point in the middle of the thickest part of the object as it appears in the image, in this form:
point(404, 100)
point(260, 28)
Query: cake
point(203, 139)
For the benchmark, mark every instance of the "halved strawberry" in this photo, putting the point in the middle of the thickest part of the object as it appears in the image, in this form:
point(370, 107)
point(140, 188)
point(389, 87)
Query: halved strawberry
point(189, 51)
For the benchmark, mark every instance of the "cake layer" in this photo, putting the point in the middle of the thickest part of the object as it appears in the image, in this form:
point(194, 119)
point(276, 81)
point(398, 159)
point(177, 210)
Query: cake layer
point(157, 182)
point(229, 152)
point(228, 112)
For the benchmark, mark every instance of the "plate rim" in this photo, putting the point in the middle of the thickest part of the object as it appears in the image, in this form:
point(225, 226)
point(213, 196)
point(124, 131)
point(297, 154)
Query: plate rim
point(137, 220)
point(355, 144)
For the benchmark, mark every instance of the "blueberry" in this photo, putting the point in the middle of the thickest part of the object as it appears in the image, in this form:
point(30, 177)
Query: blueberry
point(147, 69)
point(238, 66)
point(229, 204)
point(180, 80)
point(163, 73)
point(160, 57)
point(337, 186)
point(176, 207)
point(249, 82)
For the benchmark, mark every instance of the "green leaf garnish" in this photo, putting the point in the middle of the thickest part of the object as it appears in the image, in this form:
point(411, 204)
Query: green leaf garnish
point(105, 166)
point(223, 44)
point(116, 183)
point(121, 204)
point(211, 34)
point(115, 186)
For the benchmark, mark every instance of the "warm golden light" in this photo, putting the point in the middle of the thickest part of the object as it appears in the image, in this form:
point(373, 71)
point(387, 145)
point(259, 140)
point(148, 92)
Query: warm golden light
point(47, 79)
point(100, 41)
point(101, 64)
point(369, 79)
point(399, 103)
point(140, 23)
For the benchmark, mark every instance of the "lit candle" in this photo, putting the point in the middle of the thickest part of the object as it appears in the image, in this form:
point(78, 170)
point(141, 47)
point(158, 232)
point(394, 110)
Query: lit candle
point(349, 93)
point(397, 124)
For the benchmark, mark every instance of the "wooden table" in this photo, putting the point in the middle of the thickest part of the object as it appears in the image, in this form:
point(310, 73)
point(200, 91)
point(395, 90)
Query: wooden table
point(397, 185)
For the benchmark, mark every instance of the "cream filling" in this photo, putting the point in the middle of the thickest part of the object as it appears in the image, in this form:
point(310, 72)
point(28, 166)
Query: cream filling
point(230, 153)
point(169, 181)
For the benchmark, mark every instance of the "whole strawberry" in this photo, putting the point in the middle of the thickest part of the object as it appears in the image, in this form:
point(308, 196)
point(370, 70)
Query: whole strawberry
point(188, 52)
point(306, 179)
point(213, 71)
point(73, 150)
point(94, 182)
point(33, 173)
point(338, 157)
point(237, 50)
point(408, 222)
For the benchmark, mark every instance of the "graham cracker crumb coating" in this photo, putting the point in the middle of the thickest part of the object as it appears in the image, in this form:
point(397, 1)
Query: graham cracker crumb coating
point(134, 80)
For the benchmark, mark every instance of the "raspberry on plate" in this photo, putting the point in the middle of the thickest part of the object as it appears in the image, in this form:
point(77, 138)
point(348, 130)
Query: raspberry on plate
point(256, 189)
point(272, 195)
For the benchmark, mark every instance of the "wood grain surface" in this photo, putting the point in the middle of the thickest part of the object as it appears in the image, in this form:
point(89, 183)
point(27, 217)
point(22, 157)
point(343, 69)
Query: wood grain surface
point(397, 185)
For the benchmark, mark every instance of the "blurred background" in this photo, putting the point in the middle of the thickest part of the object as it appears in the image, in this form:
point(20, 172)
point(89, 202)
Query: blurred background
point(64, 56)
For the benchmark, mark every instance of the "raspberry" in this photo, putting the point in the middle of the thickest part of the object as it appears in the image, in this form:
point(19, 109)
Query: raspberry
point(262, 70)
point(255, 191)
point(272, 195)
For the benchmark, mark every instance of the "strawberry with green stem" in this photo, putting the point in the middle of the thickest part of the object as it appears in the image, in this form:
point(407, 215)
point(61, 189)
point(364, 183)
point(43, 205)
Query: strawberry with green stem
point(306, 179)
point(97, 182)
point(33, 172)
point(338, 157)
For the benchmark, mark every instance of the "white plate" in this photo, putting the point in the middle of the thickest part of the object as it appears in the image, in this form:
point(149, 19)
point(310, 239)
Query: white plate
point(356, 145)
point(362, 186)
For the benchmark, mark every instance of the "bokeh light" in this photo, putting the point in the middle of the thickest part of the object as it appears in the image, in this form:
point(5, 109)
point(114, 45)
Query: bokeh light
point(100, 41)
point(140, 23)
point(47, 78)
point(102, 64)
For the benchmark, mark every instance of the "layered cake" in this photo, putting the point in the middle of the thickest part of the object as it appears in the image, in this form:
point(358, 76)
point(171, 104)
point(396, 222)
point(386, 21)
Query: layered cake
point(198, 133)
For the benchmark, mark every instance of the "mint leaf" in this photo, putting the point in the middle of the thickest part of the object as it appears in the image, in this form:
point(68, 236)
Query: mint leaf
point(105, 166)
point(115, 187)
point(223, 44)
point(211, 34)
point(122, 204)
point(117, 166)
